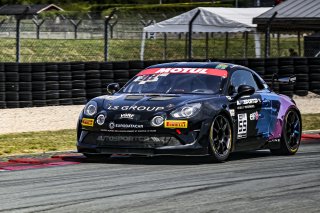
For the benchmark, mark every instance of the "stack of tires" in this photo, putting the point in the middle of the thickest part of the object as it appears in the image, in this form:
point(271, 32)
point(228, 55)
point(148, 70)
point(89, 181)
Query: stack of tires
point(301, 71)
point(121, 72)
point(256, 65)
point(286, 69)
point(52, 84)
point(271, 68)
point(78, 83)
point(38, 76)
point(25, 85)
point(314, 75)
point(106, 76)
point(11, 86)
point(93, 82)
point(2, 87)
point(65, 84)
point(135, 67)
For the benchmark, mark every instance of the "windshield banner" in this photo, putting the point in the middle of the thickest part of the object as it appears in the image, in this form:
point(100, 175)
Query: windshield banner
point(205, 71)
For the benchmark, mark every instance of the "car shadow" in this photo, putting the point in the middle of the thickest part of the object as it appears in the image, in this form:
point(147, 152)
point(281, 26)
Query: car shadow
point(168, 160)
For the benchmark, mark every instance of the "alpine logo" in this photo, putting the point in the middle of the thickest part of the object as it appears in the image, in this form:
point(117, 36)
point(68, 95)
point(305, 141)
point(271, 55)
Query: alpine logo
point(127, 116)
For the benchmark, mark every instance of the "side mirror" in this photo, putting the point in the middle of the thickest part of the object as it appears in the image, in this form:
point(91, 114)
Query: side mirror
point(113, 87)
point(244, 90)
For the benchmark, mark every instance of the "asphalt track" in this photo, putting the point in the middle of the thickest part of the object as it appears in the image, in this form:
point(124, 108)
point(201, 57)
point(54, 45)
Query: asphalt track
point(248, 182)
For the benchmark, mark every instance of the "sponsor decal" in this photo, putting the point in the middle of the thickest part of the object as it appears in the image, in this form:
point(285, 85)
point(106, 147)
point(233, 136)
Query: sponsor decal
point(254, 116)
point(127, 116)
point(229, 98)
point(181, 124)
point(222, 66)
point(87, 122)
point(248, 101)
point(232, 113)
point(135, 108)
point(246, 107)
point(242, 125)
point(113, 125)
point(147, 140)
point(275, 140)
point(132, 131)
point(205, 71)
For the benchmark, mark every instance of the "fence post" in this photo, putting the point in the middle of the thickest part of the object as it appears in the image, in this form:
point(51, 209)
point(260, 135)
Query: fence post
point(112, 25)
point(267, 36)
point(207, 45)
point(38, 25)
point(18, 39)
point(165, 46)
point(246, 38)
point(19, 18)
point(226, 47)
point(75, 25)
point(106, 40)
point(299, 43)
point(190, 34)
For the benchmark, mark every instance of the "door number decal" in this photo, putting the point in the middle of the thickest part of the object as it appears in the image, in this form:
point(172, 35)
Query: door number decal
point(242, 125)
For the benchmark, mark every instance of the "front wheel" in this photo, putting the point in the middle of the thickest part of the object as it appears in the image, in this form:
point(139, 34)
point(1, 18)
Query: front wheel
point(291, 134)
point(220, 139)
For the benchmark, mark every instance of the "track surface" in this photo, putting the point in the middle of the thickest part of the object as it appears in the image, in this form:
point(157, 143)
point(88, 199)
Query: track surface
point(249, 182)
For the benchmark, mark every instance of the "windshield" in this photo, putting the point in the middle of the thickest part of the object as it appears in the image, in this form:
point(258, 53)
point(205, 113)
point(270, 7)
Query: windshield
point(174, 83)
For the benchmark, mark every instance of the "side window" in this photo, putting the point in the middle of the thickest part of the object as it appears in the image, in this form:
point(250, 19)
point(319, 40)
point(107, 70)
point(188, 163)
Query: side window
point(243, 77)
point(258, 82)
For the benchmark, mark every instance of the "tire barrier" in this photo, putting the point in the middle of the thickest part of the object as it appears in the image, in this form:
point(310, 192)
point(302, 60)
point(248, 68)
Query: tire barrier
point(51, 84)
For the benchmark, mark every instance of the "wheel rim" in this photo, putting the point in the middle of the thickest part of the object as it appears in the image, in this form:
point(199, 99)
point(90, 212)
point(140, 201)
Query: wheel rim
point(293, 130)
point(220, 136)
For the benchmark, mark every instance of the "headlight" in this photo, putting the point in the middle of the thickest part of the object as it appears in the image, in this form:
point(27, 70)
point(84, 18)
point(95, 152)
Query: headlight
point(91, 108)
point(187, 111)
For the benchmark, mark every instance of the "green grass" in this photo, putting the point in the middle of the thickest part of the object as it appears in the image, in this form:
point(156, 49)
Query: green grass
point(311, 121)
point(39, 142)
point(60, 50)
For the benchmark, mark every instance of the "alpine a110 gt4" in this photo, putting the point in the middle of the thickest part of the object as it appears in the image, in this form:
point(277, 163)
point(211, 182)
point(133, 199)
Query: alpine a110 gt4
point(190, 108)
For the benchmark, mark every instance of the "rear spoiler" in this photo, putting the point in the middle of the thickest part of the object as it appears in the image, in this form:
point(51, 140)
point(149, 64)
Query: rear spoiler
point(284, 80)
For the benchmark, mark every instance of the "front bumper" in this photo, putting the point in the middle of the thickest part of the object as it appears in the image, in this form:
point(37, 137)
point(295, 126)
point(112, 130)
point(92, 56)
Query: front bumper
point(160, 143)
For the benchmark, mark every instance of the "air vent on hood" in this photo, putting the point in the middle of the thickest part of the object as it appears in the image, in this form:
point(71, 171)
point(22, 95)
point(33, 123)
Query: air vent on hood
point(134, 97)
point(162, 98)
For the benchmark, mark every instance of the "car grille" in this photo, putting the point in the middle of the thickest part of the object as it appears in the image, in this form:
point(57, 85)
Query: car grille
point(123, 140)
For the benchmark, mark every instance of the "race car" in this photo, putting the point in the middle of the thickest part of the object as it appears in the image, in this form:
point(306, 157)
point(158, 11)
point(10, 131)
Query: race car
point(190, 108)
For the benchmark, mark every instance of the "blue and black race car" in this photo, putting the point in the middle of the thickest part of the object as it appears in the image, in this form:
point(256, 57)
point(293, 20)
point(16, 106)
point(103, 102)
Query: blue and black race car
point(188, 108)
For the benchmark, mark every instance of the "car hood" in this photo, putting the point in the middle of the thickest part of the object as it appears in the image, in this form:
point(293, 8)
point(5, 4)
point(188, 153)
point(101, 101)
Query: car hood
point(149, 102)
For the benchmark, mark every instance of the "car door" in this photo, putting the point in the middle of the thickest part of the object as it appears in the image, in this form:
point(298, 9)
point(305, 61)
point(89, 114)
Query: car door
point(247, 111)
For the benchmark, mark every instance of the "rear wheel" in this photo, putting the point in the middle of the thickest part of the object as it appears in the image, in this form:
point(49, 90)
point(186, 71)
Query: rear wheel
point(220, 138)
point(291, 135)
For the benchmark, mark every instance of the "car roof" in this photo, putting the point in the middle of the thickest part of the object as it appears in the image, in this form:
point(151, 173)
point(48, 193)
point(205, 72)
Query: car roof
point(228, 66)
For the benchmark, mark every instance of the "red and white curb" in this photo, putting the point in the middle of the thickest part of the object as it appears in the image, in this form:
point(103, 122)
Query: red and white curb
point(37, 163)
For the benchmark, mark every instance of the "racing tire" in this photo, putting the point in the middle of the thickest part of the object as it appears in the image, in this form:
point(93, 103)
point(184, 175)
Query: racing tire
point(291, 134)
point(2, 77)
point(105, 65)
point(75, 66)
point(315, 77)
point(106, 74)
point(25, 67)
point(92, 65)
point(220, 139)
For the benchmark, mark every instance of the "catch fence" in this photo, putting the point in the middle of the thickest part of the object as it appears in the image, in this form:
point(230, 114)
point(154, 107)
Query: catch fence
point(61, 39)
